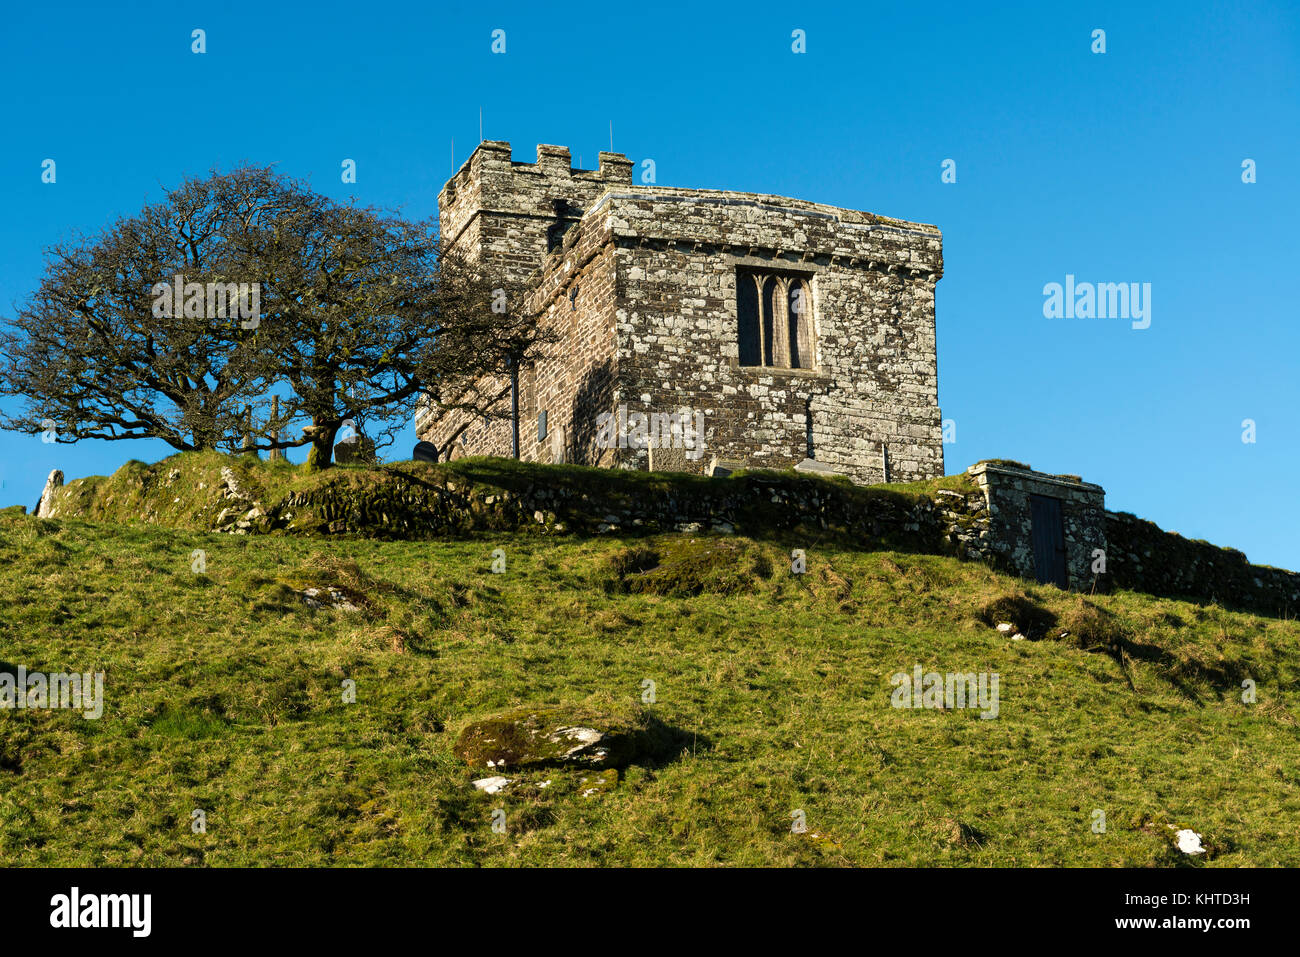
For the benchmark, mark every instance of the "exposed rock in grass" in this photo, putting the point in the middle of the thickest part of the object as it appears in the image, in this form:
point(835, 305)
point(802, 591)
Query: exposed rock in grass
point(560, 737)
point(1188, 841)
point(324, 581)
point(1024, 615)
point(230, 486)
point(328, 598)
point(634, 560)
point(1009, 628)
point(491, 785)
point(821, 841)
point(690, 566)
point(960, 833)
point(598, 782)
point(1091, 628)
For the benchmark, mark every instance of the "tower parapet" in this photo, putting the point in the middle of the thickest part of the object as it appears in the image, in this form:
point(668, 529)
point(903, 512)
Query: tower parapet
point(510, 214)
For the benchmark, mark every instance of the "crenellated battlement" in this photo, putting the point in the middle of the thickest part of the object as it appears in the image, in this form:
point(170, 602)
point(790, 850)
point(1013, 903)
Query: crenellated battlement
point(513, 213)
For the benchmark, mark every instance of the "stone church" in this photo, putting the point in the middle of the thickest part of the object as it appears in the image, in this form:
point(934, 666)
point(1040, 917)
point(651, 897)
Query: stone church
point(785, 330)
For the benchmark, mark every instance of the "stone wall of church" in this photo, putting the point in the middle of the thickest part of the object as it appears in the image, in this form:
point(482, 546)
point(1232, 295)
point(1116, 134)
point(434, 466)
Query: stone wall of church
point(873, 387)
point(511, 215)
point(640, 285)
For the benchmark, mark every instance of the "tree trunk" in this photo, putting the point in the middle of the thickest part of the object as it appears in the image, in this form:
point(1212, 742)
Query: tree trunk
point(321, 454)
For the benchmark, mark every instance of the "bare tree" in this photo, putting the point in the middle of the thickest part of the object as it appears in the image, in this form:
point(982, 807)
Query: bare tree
point(365, 313)
point(357, 314)
point(93, 357)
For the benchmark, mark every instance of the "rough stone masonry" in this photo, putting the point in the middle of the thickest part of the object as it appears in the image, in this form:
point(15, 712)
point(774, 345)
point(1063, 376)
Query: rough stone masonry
point(792, 329)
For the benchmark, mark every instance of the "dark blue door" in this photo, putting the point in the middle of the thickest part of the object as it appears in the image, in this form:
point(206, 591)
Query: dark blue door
point(1047, 529)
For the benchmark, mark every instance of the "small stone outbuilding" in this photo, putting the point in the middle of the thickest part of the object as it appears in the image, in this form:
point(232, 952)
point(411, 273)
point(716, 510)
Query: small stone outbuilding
point(1048, 527)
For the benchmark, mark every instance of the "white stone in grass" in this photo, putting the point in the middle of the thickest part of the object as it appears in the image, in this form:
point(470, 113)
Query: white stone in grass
point(1188, 841)
point(1005, 626)
point(491, 785)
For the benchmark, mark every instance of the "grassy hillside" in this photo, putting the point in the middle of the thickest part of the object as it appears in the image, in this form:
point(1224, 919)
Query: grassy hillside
point(223, 692)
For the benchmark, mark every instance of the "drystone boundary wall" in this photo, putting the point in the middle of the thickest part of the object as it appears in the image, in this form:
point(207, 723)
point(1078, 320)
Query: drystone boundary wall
point(1139, 555)
point(1142, 556)
point(761, 505)
point(419, 501)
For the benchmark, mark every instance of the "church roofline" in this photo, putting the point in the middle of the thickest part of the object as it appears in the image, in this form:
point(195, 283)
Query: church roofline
point(849, 218)
point(858, 226)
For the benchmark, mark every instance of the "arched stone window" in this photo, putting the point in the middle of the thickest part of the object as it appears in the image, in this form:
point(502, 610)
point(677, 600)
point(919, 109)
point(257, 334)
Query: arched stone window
point(774, 318)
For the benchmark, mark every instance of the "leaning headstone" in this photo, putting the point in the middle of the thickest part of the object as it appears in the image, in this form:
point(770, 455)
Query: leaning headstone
point(425, 452)
point(45, 506)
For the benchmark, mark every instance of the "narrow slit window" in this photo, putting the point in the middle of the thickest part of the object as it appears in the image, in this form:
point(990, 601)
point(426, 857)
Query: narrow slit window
point(751, 348)
point(799, 311)
point(770, 324)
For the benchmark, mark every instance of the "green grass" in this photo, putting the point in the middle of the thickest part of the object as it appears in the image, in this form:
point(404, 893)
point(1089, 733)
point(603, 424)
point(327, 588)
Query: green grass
point(223, 692)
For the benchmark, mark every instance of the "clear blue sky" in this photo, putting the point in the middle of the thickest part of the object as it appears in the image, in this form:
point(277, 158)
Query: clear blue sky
point(1115, 167)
